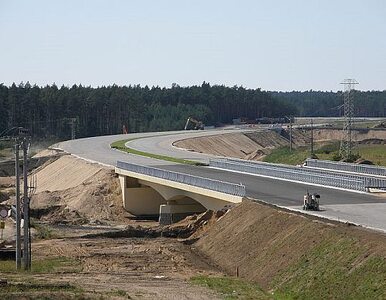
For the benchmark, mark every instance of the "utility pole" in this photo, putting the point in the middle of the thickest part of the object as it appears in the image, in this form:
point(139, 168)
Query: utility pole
point(312, 138)
point(73, 128)
point(18, 215)
point(26, 252)
point(290, 135)
point(20, 136)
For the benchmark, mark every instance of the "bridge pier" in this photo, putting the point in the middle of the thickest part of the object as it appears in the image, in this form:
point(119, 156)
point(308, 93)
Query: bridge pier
point(173, 212)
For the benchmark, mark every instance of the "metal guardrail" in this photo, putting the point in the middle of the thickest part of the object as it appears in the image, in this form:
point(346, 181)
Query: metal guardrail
point(314, 176)
point(346, 167)
point(210, 184)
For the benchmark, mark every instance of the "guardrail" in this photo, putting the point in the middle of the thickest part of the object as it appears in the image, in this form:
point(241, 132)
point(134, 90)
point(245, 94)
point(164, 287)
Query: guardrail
point(314, 176)
point(346, 167)
point(210, 184)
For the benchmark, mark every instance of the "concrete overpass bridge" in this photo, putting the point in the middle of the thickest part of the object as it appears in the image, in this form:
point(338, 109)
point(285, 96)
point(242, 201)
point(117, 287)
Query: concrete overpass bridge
point(360, 208)
point(151, 191)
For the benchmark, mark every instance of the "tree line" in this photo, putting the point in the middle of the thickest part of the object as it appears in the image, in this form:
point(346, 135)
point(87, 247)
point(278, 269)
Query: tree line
point(49, 111)
point(329, 104)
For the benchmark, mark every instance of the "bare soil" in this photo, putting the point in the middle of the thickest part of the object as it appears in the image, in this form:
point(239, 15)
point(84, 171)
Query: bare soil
point(231, 144)
point(145, 268)
point(264, 243)
point(255, 145)
point(78, 210)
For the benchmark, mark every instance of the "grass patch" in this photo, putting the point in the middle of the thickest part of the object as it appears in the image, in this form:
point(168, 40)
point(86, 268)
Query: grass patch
point(335, 269)
point(48, 265)
point(283, 155)
point(231, 288)
point(329, 151)
point(43, 232)
point(374, 153)
point(44, 291)
point(120, 145)
point(6, 153)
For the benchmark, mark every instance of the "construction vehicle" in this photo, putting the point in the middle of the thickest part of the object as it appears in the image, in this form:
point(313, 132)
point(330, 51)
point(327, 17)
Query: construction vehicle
point(197, 125)
point(311, 201)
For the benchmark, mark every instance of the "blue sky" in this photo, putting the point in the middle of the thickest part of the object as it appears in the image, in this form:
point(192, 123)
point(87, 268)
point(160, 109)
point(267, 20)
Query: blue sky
point(273, 45)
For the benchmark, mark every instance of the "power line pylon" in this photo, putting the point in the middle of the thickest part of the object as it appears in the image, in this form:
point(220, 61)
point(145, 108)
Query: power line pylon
point(347, 144)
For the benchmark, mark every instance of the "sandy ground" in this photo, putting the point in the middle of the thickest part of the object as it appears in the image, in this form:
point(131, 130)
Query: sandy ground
point(144, 268)
point(55, 178)
point(74, 199)
point(232, 144)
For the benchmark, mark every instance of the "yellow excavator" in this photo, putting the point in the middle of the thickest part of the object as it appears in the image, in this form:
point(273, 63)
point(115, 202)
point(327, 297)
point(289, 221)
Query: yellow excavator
point(196, 125)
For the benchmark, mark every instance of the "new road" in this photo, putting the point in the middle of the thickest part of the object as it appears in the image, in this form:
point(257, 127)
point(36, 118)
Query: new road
point(364, 209)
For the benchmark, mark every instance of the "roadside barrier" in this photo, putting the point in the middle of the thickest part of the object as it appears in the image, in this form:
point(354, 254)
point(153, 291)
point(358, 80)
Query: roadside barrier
point(346, 167)
point(210, 184)
point(301, 174)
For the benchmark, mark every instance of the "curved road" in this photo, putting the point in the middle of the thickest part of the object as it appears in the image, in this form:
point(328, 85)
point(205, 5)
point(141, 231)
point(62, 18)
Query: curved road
point(364, 209)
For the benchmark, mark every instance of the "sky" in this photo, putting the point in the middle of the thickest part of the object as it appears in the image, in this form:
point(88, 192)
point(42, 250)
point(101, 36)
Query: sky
point(276, 45)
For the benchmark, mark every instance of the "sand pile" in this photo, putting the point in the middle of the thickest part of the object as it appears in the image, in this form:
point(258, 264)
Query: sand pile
point(231, 145)
point(71, 190)
point(64, 173)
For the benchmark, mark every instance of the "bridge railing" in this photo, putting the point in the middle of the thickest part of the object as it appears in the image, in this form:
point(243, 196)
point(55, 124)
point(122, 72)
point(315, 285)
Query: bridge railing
point(210, 184)
point(321, 177)
point(346, 167)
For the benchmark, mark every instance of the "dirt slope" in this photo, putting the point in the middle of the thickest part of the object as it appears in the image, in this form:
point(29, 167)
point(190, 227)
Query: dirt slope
point(64, 173)
point(251, 145)
point(255, 145)
point(267, 139)
point(231, 144)
point(71, 190)
point(296, 255)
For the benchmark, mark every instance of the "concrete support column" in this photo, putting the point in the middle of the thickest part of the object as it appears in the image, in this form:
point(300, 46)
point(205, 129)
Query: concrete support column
point(172, 212)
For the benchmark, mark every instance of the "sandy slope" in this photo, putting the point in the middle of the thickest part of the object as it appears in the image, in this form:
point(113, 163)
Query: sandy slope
point(64, 173)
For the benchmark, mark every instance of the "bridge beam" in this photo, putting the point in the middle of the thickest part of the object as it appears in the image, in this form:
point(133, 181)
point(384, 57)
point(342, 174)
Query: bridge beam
point(148, 195)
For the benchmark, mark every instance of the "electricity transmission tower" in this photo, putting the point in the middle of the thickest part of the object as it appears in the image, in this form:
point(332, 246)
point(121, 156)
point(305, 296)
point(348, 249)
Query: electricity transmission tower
point(347, 145)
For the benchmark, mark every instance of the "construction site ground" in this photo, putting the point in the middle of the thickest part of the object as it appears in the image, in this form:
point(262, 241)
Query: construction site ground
point(86, 246)
point(255, 145)
point(76, 250)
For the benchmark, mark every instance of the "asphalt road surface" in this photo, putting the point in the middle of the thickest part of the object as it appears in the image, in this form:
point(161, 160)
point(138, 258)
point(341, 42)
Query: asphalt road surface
point(360, 208)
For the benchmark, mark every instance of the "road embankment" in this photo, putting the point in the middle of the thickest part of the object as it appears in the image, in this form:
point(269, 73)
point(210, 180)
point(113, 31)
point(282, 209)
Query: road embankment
point(297, 256)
